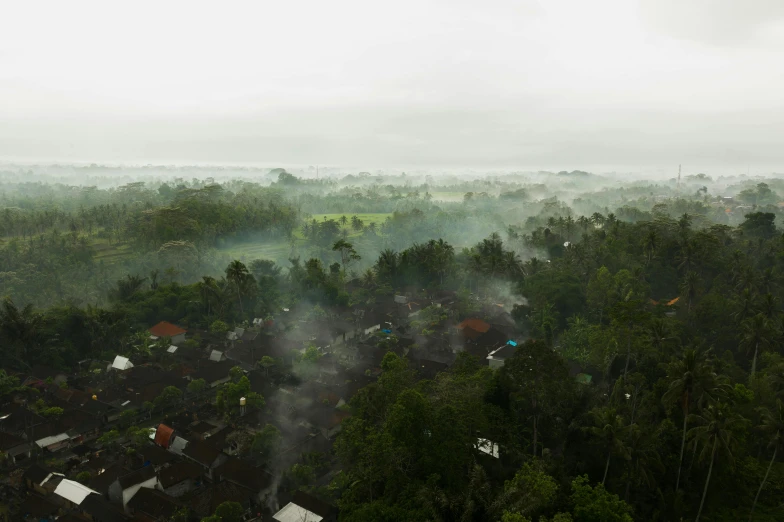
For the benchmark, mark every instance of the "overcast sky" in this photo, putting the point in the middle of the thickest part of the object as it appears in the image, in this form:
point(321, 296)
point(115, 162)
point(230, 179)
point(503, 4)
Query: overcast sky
point(512, 83)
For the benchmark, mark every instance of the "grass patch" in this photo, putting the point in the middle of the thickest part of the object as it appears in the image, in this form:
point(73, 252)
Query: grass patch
point(377, 218)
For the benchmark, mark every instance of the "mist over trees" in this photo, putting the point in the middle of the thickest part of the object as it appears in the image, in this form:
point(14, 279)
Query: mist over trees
point(640, 320)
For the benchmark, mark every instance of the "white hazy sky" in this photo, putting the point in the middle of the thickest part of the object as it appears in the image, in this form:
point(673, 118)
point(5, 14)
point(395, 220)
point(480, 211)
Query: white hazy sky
point(519, 83)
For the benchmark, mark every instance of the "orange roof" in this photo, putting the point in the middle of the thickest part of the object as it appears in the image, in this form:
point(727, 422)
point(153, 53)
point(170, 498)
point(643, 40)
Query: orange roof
point(163, 435)
point(475, 324)
point(164, 329)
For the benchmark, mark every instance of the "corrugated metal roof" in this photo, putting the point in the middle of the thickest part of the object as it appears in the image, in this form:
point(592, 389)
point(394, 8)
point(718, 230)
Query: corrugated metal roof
point(294, 513)
point(52, 439)
point(73, 491)
point(121, 363)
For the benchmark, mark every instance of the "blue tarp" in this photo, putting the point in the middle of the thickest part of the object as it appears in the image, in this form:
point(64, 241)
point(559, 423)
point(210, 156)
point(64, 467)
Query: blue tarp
point(511, 343)
point(387, 331)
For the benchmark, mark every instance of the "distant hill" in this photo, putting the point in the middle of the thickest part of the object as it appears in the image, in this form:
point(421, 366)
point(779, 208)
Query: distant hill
point(575, 174)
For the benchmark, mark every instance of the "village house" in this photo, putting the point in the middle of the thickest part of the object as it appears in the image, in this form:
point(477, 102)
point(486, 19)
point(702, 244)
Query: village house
point(205, 455)
point(153, 504)
point(214, 373)
point(166, 329)
point(125, 487)
point(497, 357)
point(304, 507)
point(180, 478)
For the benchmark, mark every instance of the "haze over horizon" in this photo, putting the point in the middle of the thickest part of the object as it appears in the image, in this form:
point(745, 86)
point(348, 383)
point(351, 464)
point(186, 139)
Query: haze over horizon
point(428, 83)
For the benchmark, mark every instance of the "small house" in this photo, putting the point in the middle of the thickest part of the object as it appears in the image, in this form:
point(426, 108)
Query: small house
point(205, 455)
point(305, 508)
point(73, 492)
point(166, 329)
point(125, 487)
point(121, 363)
point(180, 478)
point(497, 357)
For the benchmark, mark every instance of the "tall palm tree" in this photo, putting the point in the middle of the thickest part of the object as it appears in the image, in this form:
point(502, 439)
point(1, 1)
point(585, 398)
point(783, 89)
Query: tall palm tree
point(22, 328)
point(611, 429)
point(714, 430)
point(644, 458)
point(755, 334)
point(692, 380)
point(773, 426)
point(689, 288)
point(650, 245)
point(237, 274)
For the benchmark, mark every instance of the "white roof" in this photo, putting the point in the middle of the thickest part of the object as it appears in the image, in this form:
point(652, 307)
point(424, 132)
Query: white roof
point(215, 355)
point(53, 439)
point(73, 491)
point(121, 363)
point(291, 512)
point(178, 445)
point(171, 349)
point(487, 446)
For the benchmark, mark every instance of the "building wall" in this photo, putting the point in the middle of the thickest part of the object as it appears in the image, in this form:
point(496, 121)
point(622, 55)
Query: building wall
point(178, 490)
point(128, 494)
point(495, 363)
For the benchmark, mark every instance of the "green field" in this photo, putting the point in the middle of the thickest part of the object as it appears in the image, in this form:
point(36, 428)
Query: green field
point(378, 218)
point(278, 251)
point(450, 197)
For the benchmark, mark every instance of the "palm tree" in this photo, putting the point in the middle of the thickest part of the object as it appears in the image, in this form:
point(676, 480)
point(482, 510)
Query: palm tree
point(756, 334)
point(237, 274)
point(22, 329)
point(689, 288)
point(773, 425)
point(715, 432)
point(343, 220)
point(650, 244)
point(611, 429)
point(644, 457)
point(691, 380)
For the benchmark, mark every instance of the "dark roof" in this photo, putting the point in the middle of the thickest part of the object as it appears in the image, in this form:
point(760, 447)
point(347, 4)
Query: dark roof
point(326, 417)
point(178, 472)
point(136, 477)
point(203, 453)
point(81, 450)
point(36, 474)
point(429, 369)
point(249, 335)
point(154, 503)
point(165, 329)
point(205, 501)
point(202, 427)
point(242, 473)
point(155, 455)
point(100, 509)
point(8, 441)
point(214, 371)
point(44, 372)
point(312, 504)
point(492, 339)
point(102, 482)
point(37, 506)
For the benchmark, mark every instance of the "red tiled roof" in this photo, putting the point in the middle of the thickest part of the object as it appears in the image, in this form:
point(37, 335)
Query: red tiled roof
point(475, 324)
point(164, 329)
point(163, 435)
